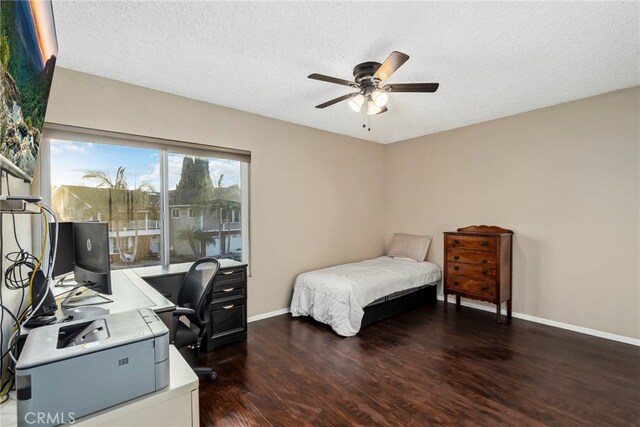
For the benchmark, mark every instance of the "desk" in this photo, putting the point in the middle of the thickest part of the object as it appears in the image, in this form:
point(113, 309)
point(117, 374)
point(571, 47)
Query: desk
point(226, 317)
point(131, 292)
point(175, 405)
point(159, 271)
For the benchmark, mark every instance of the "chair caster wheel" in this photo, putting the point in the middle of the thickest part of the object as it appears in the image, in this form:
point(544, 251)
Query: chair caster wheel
point(213, 376)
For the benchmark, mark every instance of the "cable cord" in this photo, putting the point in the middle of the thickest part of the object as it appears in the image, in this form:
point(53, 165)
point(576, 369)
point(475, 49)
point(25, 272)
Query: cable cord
point(7, 383)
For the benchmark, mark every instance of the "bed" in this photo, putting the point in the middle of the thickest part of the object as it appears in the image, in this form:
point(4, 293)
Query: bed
point(350, 296)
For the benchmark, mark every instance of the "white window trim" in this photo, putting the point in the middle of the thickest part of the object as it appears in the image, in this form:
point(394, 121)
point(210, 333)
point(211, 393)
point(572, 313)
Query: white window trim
point(244, 214)
point(175, 210)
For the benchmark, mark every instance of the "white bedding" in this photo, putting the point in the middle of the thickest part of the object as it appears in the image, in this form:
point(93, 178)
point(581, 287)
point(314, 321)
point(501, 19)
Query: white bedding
point(337, 295)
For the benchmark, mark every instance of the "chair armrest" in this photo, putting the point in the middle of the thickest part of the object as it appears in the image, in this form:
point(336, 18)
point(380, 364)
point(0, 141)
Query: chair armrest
point(177, 313)
point(183, 311)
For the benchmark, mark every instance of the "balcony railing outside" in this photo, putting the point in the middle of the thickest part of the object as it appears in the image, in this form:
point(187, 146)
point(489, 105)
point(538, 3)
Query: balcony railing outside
point(232, 226)
point(135, 225)
point(156, 225)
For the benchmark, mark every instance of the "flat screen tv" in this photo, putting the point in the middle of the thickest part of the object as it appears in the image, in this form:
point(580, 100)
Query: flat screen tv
point(28, 49)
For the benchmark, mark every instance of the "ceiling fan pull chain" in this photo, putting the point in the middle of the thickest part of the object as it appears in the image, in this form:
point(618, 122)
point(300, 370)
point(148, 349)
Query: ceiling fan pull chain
point(364, 116)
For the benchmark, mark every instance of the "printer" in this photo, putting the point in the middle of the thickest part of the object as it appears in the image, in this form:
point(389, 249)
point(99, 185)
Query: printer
point(68, 370)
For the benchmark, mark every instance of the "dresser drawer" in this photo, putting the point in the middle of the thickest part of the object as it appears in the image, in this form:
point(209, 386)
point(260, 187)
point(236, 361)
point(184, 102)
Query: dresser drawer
point(471, 257)
point(229, 293)
point(478, 271)
point(476, 243)
point(473, 287)
point(232, 278)
point(227, 319)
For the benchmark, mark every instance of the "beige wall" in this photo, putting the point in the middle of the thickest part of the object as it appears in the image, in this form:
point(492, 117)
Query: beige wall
point(565, 179)
point(316, 197)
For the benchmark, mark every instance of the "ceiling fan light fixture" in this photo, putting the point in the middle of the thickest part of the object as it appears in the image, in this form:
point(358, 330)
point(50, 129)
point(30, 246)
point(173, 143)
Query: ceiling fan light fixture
point(356, 102)
point(372, 108)
point(371, 93)
point(379, 98)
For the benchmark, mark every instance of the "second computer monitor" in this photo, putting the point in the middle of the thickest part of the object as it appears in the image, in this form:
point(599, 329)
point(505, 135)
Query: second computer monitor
point(91, 253)
point(64, 249)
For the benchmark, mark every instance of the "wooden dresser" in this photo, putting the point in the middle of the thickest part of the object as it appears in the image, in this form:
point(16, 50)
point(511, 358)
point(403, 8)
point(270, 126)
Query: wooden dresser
point(477, 265)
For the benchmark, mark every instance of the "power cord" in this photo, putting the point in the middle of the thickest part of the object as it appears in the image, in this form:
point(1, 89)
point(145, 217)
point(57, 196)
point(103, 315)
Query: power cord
point(14, 279)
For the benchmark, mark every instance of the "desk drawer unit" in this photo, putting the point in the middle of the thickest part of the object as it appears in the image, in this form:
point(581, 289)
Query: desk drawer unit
point(227, 308)
point(478, 265)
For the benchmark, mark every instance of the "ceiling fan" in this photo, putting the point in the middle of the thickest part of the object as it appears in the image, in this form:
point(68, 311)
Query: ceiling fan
point(369, 77)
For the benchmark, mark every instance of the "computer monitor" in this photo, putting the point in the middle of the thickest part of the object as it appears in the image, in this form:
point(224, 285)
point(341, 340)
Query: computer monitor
point(65, 252)
point(91, 250)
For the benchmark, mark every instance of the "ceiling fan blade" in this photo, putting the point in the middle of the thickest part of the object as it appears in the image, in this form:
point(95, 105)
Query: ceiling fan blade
point(390, 65)
point(336, 100)
point(412, 87)
point(323, 78)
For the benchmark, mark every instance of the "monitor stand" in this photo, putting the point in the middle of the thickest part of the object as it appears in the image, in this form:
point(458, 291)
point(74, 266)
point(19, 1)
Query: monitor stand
point(73, 301)
point(65, 281)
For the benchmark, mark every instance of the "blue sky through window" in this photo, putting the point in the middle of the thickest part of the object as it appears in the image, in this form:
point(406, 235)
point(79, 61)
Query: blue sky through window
point(70, 160)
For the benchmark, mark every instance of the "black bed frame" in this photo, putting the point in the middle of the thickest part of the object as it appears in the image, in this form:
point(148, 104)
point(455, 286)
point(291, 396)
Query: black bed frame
point(399, 302)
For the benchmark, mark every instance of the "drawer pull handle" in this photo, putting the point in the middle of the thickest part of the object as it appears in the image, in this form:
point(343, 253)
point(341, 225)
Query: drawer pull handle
point(226, 273)
point(485, 288)
point(227, 307)
point(456, 241)
point(456, 257)
point(485, 271)
point(227, 290)
point(484, 261)
point(455, 267)
point(456, 283)
point(484, 243)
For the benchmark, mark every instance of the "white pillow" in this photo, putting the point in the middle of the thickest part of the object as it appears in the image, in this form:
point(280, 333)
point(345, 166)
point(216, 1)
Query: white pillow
point(409, 246)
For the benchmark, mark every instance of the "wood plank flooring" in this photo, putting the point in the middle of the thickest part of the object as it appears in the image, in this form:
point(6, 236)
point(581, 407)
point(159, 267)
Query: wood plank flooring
point(422, 368)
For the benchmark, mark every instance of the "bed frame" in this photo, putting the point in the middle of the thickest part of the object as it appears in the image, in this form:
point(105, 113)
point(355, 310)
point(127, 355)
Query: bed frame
point(399, 302)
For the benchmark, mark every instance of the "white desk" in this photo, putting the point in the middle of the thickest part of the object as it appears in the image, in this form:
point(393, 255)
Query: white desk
point(130, 292)
point(175, 405)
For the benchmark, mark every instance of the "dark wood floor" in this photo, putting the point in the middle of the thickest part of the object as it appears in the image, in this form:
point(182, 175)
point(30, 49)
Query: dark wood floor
point(422, 368)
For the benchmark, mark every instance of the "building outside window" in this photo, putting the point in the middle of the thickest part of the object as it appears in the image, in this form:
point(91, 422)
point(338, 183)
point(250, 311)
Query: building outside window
point(209, 188)
point(131, 188)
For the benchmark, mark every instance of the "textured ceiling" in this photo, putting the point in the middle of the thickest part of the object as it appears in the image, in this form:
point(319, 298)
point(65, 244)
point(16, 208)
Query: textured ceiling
point(491, 59)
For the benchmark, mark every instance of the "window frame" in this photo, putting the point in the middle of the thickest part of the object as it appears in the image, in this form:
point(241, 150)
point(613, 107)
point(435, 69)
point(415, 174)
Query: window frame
point(172, 213)
point(164, 147)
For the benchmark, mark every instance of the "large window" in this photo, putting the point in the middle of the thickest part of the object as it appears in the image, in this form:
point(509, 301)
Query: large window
point(162, 205)
point(207, 190)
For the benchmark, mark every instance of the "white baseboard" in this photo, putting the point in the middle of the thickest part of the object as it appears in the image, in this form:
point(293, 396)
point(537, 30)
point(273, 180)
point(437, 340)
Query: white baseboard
point(267, 315)
point(567, 326)
point(561, 325)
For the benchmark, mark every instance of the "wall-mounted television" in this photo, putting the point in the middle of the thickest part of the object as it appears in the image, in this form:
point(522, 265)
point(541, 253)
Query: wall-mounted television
point(28, 50)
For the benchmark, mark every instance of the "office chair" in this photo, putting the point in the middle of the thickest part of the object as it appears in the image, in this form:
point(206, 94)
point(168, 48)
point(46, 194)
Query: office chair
point(192, 303)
